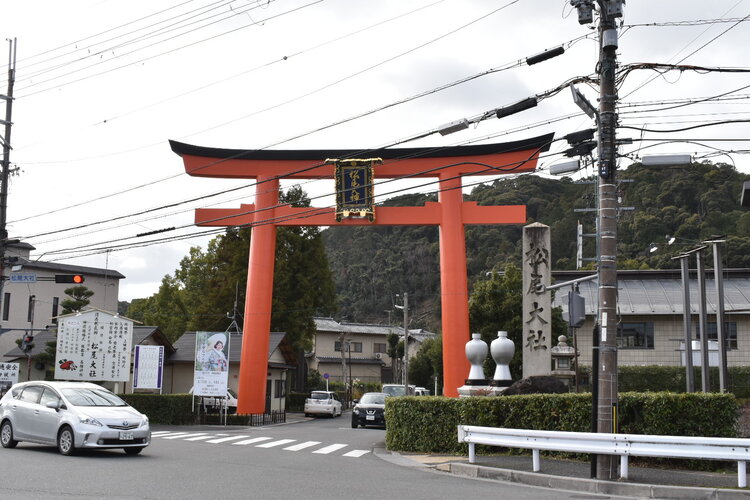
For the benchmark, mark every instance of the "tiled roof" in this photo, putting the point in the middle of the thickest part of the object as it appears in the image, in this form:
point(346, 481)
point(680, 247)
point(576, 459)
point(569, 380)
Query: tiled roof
point(660, 292)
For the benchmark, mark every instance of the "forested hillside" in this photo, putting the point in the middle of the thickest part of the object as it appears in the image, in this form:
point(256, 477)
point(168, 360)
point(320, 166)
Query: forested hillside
point(370, 265)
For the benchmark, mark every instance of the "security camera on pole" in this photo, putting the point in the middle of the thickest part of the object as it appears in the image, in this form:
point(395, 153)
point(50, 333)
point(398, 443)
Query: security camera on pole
point(609, 10)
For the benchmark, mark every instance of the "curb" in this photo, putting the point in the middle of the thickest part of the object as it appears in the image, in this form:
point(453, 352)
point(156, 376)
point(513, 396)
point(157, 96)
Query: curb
point(591, 485)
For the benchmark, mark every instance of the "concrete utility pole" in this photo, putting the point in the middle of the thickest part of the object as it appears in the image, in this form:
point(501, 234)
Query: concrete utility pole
point(607, 401)
point(405, 307)
point(609, 10)
point(5, 139)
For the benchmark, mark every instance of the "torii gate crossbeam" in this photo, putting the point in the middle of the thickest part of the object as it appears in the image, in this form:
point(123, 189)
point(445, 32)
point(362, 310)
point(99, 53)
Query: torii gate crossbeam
point(450, 213)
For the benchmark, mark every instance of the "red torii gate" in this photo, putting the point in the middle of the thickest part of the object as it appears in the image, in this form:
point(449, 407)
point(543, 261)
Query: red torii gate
point(450, 213)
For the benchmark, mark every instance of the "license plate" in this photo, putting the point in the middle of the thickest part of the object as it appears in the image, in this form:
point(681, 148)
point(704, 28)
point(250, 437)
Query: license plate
point(126, 436)
point(370, 417)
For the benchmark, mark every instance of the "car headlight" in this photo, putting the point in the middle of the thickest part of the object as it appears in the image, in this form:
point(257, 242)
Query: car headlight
point(89, 421)
point(144, 422)
point(355, 411)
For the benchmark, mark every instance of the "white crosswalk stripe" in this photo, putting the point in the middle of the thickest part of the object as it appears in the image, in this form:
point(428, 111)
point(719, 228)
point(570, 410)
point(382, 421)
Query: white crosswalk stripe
point(199, 438)
point(330, 449)
point(259, 442)
point(224, 440)
point(356, 453)
point(302, 446)
point(251, 441)
point(179, 435)
point(272, 444)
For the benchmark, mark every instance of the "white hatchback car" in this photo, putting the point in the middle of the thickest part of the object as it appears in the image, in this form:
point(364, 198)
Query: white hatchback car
point(71, 415)
point(323, 403)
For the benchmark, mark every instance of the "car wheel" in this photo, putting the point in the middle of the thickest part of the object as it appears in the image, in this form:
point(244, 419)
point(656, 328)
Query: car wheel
point(133, 451)
point(354, 424)
point(66, 441)
point(6, 435)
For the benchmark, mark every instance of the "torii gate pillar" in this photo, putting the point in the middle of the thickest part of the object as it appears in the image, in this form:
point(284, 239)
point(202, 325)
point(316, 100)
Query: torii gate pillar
point(258, 300)
point(450, 213)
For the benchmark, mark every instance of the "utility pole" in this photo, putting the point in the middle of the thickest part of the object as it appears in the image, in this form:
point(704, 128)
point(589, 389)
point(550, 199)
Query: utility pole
point(405, 307)
point(5, 139)
point(609, 11)
point(607, 401)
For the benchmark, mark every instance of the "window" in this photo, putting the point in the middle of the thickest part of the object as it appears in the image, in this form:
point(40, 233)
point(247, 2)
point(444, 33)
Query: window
point(280, 390)
point(635, 335)
point(31, 394)
point(49, 396)
point(354, 346)
point(55, 308)
point(6, 306)
point(730, 333)
point(380, 348)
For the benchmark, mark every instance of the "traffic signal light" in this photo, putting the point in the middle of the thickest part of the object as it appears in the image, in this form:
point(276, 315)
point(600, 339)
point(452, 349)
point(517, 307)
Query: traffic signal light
point(69, 278)
point(576, 309)
point(26, 343)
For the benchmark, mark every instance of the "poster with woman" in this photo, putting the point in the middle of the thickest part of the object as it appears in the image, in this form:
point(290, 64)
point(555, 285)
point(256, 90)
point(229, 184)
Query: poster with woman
point(211, 364)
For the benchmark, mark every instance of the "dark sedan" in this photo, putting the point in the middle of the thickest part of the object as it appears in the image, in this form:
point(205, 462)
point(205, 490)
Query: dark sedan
point(370, 410)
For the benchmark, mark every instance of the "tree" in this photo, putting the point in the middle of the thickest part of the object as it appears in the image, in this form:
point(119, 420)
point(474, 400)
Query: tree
point(206, 285)
point(78, 299)
point(427, 363)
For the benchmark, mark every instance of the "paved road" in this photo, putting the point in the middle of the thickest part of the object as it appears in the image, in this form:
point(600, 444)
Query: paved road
point(319, 458)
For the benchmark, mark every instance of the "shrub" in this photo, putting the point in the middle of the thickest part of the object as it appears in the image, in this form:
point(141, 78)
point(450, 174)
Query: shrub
point(429, 424)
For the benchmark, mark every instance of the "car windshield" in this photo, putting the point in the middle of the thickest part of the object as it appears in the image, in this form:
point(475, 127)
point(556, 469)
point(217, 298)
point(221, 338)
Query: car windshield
point(394, 390)
point(92, 397)
point(320, 395)
point(373, 399)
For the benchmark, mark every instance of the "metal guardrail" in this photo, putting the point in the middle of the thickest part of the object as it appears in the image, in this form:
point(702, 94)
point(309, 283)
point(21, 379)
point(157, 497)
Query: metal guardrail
point(624, 445)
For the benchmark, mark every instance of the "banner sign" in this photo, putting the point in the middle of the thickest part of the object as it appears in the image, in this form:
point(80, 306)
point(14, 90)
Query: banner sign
point(8, 376)
point(148, 366)
point(211, 364)
point(354, 188)
point(93, 345)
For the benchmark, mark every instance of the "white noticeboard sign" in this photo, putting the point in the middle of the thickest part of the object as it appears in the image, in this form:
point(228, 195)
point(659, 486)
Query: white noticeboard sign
point(8, 376)
point(94, 345)
point(211, 364)
point(148, 366)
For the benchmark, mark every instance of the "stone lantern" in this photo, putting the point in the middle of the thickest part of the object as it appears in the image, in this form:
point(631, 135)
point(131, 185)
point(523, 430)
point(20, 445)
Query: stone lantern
point(563, 360)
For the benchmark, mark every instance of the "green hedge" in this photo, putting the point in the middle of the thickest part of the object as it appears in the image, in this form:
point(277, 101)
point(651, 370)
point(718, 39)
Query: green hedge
point(428, 424)
point(672, 378)
point(164, 409)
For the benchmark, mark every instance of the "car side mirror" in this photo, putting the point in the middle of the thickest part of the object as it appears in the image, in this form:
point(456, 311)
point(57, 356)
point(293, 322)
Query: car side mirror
point(55, 405)
point(355, 401)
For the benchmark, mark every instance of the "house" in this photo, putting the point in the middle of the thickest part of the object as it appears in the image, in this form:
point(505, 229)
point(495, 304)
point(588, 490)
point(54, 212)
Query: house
point(650, 307)
point(281, 359)
point(365, 350)
point(31, 298)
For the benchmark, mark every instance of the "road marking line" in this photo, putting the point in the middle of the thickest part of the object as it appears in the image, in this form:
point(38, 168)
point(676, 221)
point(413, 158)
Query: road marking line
point(251, 441)
point(356, 453)
point(224, 440)
point(280, 442)
point(302, 446)
point(330, 449)
point(199, 438)
point(170, 434)
point(182, 435)
point(160, 433)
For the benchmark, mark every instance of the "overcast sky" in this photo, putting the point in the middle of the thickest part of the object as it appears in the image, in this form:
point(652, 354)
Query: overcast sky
point(102, 85)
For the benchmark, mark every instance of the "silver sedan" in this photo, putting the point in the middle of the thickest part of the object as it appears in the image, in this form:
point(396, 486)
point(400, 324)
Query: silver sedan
point(71, 415)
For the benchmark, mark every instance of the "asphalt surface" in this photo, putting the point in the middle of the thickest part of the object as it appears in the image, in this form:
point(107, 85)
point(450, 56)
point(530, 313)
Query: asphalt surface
point(643, 482)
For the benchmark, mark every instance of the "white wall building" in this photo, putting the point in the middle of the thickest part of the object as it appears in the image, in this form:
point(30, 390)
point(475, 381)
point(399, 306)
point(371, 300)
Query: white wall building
point(31, 299)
